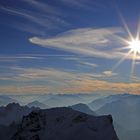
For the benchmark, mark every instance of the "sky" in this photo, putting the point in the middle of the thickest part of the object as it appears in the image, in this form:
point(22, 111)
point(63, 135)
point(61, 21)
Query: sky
point(68, 46)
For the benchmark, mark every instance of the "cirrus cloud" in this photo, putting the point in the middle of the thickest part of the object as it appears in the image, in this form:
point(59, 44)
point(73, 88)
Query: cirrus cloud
point(86, 41)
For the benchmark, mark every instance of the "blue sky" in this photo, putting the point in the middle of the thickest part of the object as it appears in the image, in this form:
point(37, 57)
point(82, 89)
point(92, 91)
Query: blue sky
point(67, 46)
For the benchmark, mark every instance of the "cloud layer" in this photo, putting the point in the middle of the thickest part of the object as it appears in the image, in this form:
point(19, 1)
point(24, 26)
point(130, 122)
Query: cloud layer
point(49, 80)
point(86, 41)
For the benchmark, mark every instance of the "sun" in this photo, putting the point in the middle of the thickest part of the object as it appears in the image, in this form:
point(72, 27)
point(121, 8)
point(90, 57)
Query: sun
point(134, 45)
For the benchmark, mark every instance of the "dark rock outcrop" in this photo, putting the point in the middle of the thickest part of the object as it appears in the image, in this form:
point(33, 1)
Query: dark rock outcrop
point(65, 124)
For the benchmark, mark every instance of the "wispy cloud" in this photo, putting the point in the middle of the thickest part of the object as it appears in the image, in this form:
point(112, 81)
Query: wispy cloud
point(110, 87)
point(5, 58)
point(85, 41)
point(102, 42)
point(62, 81)
point(93, 65)
point(84, 86)
point(43, 6)
point(109, 73)
point(49, 74)
point(135, 79)
point(48, 21)
point(57, 76)
point(77, 3)
point(85, 4)
point(103, 75)
point(81, 61)
point(24, 89)
point(43, 17)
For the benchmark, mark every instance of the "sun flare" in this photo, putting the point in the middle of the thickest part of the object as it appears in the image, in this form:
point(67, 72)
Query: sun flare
point(134, 45)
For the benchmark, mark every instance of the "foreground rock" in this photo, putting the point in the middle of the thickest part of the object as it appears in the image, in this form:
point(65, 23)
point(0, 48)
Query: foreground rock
point(64, 124)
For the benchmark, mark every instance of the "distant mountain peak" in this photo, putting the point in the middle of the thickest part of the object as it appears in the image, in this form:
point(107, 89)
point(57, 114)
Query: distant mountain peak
point(83, 108)
point(13, 112)
point(37, 104)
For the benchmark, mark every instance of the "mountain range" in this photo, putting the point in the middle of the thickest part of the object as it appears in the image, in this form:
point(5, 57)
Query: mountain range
point(53, 124)
point(126, 114)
